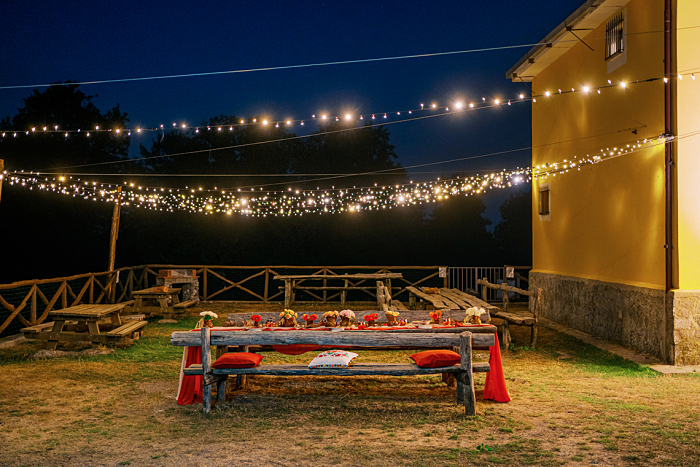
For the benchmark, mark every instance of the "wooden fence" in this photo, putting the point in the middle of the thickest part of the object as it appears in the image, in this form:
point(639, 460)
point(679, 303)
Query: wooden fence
point(20, 301)
point(28, 303)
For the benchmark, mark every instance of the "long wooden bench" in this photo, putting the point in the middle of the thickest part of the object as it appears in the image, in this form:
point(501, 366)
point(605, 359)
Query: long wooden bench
point(127, 329)
point(518, 319)
point(463, 372)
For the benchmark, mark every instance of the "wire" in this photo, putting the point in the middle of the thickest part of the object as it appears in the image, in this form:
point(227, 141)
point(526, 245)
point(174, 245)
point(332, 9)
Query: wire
point(309, 65)
point(275, 140)
point(461, 159)
point(347, 175)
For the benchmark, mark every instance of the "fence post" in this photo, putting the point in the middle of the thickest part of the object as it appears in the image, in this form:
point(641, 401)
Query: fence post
point(325, 284)
point(267, 281)
point(32, 316)
point(92, 287)
point(204, 282)
point(64, 295)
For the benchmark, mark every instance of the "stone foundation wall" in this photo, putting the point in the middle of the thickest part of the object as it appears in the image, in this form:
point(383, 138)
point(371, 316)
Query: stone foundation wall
point(634, 317)
point(627, 315)
point(684, 306)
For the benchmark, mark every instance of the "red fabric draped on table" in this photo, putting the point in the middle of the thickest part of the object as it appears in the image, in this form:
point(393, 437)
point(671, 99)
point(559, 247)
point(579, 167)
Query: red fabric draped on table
point(495, 385)
point(191, 385)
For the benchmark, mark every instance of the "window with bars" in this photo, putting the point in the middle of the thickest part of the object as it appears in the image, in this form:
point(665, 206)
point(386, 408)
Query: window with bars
point(614, 36)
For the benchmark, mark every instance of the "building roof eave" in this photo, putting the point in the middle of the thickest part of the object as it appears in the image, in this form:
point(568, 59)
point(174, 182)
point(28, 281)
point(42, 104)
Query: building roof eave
point(587, 17)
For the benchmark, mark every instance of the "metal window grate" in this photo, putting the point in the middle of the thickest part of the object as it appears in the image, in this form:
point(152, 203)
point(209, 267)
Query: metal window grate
point(614, 37)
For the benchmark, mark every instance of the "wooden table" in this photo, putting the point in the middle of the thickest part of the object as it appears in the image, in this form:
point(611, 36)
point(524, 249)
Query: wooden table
point(154, 301)
point(82, 323)
point(463, 343)
point(351, 282)
point(453, 299)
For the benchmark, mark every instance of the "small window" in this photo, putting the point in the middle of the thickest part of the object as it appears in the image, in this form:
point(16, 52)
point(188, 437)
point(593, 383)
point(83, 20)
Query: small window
point(614, 36)
point(544, 201)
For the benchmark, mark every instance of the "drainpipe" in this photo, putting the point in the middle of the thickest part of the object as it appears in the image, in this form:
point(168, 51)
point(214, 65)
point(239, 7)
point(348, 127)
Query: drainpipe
point(668, 162)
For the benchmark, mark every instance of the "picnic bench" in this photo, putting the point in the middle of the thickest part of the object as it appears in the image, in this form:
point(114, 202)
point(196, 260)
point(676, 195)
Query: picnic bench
point(159, 301)
point(350, 282)
point(99, 324)
point(463, 371)
point(511, 318)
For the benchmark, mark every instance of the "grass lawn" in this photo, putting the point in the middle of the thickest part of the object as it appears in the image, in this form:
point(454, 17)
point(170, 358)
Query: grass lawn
point(119, 409)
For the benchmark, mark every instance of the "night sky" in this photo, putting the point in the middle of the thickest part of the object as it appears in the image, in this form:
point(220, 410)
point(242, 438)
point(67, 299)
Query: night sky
point(45, 42)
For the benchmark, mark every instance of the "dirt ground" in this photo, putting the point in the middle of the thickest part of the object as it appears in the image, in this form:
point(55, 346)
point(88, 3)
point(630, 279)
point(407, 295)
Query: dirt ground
point(572, 404)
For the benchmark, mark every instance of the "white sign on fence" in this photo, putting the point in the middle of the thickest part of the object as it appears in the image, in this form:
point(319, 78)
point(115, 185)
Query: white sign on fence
point(442, 271)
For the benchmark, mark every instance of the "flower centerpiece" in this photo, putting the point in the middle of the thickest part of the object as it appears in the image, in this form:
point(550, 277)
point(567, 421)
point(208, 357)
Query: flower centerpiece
point(347, 317)
point(435, 316)
point(330, 319)
point(256, 320)
point(473, 315)
point(392, 318)
point(309, 319)
point(288, 318)
point(208, 317)
point(371, 318)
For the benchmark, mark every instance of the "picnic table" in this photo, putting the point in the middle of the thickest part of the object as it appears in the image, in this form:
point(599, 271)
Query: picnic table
point(453, 299)
point(160, 301)
point(351, 282)
point(99, 324)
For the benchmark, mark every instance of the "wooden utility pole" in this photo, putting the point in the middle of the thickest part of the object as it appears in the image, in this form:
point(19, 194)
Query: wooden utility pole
point(2, 177)
point(114, 234)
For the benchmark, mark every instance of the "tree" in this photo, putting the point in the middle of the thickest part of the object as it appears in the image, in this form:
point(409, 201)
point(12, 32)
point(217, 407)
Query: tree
point(68, 108)
point(514, 233)
point(357, 150)
point(456, 234)
point(45, 234)
point(222, 146)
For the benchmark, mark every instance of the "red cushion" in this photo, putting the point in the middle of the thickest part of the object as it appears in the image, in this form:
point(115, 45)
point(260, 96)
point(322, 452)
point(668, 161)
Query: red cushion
point(436, 358)
point(237, 360)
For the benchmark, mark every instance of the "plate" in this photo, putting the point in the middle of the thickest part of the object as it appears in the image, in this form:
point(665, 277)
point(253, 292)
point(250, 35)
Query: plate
point(255, 329)
point(425, 326)
point(336, 329)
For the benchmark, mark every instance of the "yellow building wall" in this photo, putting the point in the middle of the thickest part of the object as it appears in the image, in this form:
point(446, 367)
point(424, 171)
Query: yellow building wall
point(687, 149)
point(607, 220)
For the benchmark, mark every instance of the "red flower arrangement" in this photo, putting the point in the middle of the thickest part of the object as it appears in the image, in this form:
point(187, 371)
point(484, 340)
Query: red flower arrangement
point(435, 316)
point(371, 318)
point(309, 318)
point(256, 320)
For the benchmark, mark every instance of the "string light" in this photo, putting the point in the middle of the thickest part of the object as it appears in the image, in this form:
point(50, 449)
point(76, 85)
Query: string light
point(434, 105)
point(258, 203)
